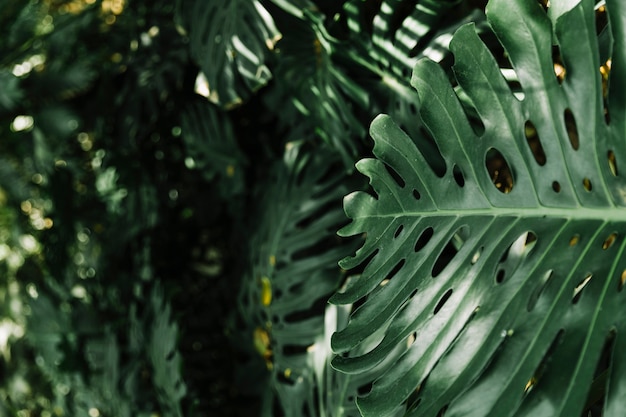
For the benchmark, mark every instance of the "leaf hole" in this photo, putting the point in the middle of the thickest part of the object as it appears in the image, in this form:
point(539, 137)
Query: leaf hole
point(587, 184)
point(622, 281)
point(364, 389)
point(612, 162)
point(449, 251)
point(396, 177)
point(605, 75)
point(416, 194)
point(442, 301)
point(531, 239)
point(559, 68)
point(556, 186)
point(458, 176)
point(500, 275)
point(413, 109)
point(442, 411)
point(534, 297)
point(545, 362)
point(424, 238)
point(599, 384)
point(534, 143)
point(602, 20)
point(572, 131)
point(411, 339)
point(609, 241)
point(398, 231)
point(499, 171)
point(476, 255)
point(394, 271)
point(579, 288)
point(574, 240)
point(431, 153)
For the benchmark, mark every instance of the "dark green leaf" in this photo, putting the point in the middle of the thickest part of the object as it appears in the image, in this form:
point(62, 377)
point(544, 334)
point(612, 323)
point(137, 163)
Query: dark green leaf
point(497, 283)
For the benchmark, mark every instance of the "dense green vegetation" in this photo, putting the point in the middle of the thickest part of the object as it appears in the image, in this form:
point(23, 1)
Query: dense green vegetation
point(183, 231)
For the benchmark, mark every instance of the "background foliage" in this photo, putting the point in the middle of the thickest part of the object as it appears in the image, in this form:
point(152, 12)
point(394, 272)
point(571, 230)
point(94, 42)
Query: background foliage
point(171, 184)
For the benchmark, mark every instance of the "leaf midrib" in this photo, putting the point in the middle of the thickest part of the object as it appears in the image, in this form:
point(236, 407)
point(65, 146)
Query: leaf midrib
point(607, 214)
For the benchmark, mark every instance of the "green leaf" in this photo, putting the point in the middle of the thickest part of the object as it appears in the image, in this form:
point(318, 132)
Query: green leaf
point(231, 40)
point(498, 282)
point(211, 147)
point(387, 38)
point(309, 82)
point(164, 356)
point(293, 270)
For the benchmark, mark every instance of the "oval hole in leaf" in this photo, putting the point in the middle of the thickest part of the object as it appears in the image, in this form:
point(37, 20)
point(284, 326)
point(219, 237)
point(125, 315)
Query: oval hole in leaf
point(476, 255)
point(398, 231)
point(396, 177)
point(458, 176)
point(587, 184)
point(543, 365)
point(572, 131)
point(556, 186)
point(500, 276)
point(443, 300)
point(534, 297)
point(394, 271)
point(364, 389)
point(416, 194)
point(609, 241)
point(622, 281)
point(431, 153)
point(612, 162)
point(534, 143)
point(559, 68)
point(424, 238)
point(579, 288)
point(605, 75)
point(443, 410)
point(450, 250)
point(499, 171)
point(574, 240)
point(598, 388)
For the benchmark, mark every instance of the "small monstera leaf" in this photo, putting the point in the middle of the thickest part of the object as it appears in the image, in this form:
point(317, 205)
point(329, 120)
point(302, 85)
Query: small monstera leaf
point(496, 284)
point(293, 271)
point(231, 40)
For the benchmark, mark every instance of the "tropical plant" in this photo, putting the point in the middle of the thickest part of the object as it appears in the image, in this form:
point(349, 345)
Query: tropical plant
point(171, 186)
point(497, 281)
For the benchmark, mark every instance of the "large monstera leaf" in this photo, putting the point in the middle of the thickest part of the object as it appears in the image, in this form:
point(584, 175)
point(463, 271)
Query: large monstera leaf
point(495, 285)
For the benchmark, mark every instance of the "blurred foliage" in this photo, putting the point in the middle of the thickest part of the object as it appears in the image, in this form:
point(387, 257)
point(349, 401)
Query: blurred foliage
point(171, 178)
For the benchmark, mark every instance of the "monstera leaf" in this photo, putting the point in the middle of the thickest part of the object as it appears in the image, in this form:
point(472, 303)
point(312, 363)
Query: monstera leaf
point(388, 37)
point(293, 270)
point(495, 286)
point(231, 40)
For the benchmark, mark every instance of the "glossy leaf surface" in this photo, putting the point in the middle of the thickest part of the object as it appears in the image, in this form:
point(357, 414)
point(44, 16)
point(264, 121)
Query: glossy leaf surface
point(498, 282)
